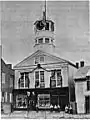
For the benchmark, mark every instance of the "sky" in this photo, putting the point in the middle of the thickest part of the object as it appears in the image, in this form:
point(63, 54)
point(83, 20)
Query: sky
point(71, 20)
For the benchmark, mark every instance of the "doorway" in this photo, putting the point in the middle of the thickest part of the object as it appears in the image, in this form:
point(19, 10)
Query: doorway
point(87, 104)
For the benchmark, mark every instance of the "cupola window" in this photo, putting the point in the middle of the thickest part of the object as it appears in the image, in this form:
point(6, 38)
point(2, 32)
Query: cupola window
point(46, 40)
point(47, 26)
point(40, 40)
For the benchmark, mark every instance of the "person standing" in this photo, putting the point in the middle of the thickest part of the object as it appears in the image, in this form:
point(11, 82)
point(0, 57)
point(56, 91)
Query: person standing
point(28, 102)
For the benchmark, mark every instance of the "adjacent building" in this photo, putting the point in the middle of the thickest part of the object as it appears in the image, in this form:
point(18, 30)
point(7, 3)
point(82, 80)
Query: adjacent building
point(7, 82)
point(47, 78)
point(82, 88)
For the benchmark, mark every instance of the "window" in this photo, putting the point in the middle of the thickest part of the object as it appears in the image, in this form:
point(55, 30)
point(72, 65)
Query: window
point(11, 80)
point(10, 97)
point(44, 100)
point(3, 78)
point(21, 101)
point(5, 96)
point(88, 83)
point(59, 78)
point(51, 40)
point(36, 79)
point(36, 60)
point(24, 80)
point(40, 40)
point(47, 26)
point(46, 40)
point(52, 26)
point(39, 79)
point(36, 41)
point(42, 59)
point(53, 79)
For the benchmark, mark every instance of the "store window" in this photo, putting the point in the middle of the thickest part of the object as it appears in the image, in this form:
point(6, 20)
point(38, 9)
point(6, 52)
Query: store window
point(21, 101)
point(24, 80)
point(44, 100)
point(46, 40)
point(40, 40)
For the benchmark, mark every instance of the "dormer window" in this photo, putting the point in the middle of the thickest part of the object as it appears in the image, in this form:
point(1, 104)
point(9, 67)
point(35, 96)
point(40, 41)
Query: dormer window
point(46, 40)
point(40, 40)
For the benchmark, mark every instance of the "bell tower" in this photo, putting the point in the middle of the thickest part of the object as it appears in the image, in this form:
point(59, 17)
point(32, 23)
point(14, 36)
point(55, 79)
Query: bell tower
point(44, 34)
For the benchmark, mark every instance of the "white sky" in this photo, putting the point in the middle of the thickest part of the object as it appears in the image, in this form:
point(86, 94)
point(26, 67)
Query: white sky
point(71, 29)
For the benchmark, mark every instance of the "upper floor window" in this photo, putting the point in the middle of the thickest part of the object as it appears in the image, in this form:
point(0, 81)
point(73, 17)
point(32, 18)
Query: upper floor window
point(40, 40)
point(59, 78)
point(24, 80)
point(46, 40)
point(11, 80)
point(88, 83)
point(39, 79)
point(3, 78)
point(36, 41)
point(56, 78)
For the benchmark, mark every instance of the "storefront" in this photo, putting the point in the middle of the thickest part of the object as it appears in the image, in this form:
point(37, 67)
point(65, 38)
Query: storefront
point(42, 97)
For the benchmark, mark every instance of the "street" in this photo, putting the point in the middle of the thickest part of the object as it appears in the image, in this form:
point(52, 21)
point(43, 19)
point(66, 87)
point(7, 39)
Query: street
point(43, 115)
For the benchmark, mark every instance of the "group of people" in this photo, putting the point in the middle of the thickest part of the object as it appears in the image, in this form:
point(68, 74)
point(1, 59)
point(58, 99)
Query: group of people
point(56, 108)
point(68, 109)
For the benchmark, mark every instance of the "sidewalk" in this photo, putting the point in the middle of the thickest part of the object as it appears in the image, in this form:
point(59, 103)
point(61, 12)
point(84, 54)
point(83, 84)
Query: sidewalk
point(43, 115)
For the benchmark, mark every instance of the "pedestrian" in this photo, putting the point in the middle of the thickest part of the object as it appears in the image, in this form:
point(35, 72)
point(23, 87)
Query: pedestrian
point(55, 108)
point(51, 108)
point(37, 107)
point(28, 99)
point(58, 107)
point(70, 109)
point(66, 109)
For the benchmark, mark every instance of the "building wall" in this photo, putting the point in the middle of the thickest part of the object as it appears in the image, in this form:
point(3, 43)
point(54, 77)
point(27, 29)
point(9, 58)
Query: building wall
point(71, 72)
point(7, 81)
point(80, 88)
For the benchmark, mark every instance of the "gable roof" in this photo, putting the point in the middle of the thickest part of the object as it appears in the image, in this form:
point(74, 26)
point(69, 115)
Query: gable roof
point(38, 53)
point(82, 72)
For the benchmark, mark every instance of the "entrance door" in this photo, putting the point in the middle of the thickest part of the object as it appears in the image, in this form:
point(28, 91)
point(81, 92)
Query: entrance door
point(87, 104)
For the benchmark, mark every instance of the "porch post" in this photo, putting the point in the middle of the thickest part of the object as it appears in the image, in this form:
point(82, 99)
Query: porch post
point(24, 80)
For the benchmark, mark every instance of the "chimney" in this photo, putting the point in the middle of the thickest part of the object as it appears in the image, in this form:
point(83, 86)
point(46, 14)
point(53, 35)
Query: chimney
point(9, 66)
point(77, 65)
point(81, 63)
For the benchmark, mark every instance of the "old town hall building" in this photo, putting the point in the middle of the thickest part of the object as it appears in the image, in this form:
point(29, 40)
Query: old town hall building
point(48, 78)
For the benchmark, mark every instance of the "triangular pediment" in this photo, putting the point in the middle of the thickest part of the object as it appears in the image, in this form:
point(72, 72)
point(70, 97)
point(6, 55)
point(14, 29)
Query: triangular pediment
point(30, 61)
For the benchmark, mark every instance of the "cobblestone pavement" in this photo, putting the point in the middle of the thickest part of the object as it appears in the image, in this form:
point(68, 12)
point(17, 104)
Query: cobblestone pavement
point(42, 115)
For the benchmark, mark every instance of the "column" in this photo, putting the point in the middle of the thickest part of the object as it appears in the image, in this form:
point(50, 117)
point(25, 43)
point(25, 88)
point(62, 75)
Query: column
point(24, 80)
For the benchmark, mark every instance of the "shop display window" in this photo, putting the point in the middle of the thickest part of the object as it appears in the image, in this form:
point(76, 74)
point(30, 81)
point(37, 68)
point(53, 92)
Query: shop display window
point(21, 101)
point(44, 100)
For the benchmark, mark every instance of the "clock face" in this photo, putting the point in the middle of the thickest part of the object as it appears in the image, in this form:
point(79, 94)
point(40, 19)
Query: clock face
point(40, 25)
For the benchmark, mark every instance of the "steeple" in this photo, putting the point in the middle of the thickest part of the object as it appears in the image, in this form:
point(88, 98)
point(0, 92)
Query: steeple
point(44, 33)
